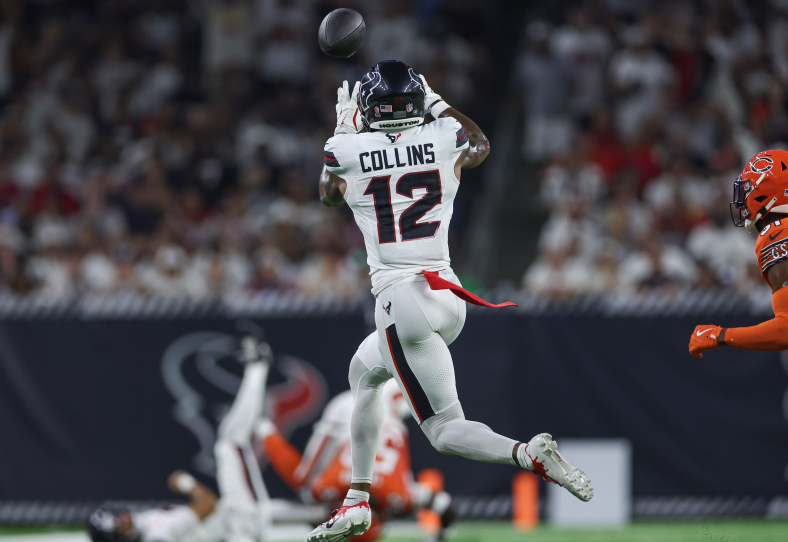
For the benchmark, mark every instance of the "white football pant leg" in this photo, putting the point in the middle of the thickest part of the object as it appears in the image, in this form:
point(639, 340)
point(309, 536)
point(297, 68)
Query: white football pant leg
point(243, 494)
point(238, 423)
point(415, 333)
point(366, 383)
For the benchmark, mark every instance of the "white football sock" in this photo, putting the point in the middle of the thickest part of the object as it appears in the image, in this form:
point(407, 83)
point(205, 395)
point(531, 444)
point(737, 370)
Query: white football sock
point(523, 459)
point(354, 496)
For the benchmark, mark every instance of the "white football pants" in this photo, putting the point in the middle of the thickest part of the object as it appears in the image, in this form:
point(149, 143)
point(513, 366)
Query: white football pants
point(244, 499)
point(415, 325)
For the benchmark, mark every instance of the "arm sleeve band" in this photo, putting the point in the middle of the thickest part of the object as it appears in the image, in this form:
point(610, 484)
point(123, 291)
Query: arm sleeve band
point(770, 336)
point(284, 459)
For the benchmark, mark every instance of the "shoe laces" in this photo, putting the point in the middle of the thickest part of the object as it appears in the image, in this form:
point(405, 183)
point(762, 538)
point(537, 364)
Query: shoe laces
point(337, 511)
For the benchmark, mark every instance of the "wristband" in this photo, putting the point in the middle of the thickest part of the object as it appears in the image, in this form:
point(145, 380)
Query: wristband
point(185, 483)
point(438, 107)
point(344, 129)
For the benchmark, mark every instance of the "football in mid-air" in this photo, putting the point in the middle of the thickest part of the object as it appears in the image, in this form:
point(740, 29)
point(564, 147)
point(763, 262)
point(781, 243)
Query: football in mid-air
point(341, 33)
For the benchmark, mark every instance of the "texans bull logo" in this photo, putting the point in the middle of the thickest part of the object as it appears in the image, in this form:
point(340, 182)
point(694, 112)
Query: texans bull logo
point(200, 372)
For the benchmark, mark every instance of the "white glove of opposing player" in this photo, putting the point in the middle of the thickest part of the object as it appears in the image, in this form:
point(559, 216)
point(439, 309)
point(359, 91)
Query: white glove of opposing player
point(264, 428)
point(348, 118)
point(433, 101)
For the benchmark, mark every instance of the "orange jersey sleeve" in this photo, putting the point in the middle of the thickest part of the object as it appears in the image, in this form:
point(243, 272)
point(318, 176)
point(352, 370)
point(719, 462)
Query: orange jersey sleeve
point(770, 336)
point(771, 247)
point(284, 459)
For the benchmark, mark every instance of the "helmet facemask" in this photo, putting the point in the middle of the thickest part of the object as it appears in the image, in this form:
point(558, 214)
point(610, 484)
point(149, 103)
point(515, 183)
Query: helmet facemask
point(740, 214)
point(103, 523)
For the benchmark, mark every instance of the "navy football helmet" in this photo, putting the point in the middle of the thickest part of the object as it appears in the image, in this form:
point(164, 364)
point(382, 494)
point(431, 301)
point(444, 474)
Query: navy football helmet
point(102, 523)
point(391, 97)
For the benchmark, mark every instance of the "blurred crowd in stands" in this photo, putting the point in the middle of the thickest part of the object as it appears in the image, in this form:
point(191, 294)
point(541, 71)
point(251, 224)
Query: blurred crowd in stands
point(640, 116)
point(172, 147)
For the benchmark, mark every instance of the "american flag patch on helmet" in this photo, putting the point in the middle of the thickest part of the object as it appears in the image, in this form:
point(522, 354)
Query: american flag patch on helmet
point(386, 108)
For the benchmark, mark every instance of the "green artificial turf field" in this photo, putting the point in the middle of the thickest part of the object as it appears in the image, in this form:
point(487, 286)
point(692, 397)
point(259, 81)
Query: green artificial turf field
point(701, 531)
point(742, 531)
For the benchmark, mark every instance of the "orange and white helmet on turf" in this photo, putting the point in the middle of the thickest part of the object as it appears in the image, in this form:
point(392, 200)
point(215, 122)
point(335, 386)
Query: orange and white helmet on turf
point(762, 188)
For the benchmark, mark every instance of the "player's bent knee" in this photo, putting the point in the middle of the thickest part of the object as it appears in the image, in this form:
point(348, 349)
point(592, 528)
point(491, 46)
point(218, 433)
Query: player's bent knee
point(443, 447)
point(355, 372)
point(435, 428)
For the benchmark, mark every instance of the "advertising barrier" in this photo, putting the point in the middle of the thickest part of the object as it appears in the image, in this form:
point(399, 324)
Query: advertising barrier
point(104, 408)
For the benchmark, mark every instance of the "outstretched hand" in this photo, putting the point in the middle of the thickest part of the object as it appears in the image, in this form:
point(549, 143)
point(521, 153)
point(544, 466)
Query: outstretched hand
point(433, 100)
point(704, 338)
point(348, 119)
point(173, 479)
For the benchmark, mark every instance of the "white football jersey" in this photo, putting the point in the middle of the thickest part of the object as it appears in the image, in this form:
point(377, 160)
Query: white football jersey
point(178, 524)
point(401, 188)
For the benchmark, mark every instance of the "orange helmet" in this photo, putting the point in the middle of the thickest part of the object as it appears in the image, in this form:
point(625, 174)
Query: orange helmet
point(762, 188)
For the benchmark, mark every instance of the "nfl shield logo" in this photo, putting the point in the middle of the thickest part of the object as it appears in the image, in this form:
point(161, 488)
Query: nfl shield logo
point(409, 108)
point(377, 112)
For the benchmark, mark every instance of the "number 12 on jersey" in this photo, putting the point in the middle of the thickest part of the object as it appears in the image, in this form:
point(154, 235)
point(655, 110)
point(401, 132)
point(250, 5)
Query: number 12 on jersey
point(409, 226)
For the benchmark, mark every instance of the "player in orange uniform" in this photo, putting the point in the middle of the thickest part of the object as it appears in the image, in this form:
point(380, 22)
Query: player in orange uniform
point(760, 204)
point(323, 473)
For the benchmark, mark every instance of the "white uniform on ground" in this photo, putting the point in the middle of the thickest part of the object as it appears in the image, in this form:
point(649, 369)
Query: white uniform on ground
point(243, 512)
point(401, 187)
point(177, 524)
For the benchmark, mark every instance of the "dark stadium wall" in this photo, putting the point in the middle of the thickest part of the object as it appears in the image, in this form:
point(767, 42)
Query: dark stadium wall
point(105, 409)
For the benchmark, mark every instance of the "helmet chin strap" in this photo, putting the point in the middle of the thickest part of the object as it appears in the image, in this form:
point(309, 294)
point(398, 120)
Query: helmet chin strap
point(749, 225)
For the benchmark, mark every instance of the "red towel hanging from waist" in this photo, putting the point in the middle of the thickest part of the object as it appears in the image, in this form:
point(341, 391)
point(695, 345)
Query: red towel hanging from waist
point(437, 283)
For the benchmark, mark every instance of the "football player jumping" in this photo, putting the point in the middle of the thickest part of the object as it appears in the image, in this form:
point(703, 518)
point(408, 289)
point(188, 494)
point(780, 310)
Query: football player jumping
point(243, 512)
point(400, 177)
point(323, 474)
point(760, 204)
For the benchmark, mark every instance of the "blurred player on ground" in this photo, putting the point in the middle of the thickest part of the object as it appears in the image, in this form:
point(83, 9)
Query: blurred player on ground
point(242, 513)
point(400, 176)
point(760, 204)
point(323, 474)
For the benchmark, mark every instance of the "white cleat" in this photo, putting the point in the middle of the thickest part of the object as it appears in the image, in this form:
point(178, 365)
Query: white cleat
point(345, 523)
point(548, 463)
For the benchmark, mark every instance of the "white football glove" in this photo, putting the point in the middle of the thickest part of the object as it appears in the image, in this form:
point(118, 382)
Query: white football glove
point(348, 117)
point(264, 428)
point(433, 101)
